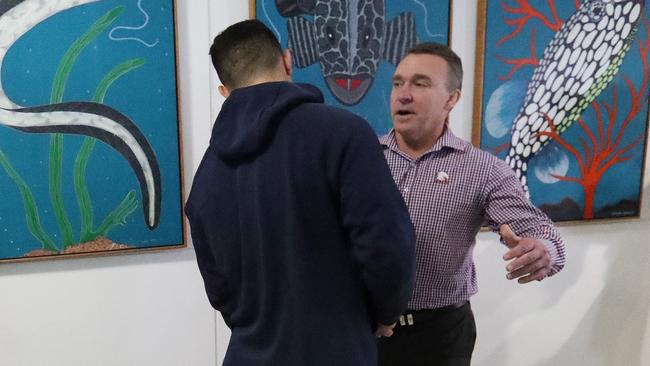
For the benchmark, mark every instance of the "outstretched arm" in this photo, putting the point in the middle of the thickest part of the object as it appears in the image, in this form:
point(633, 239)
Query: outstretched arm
point(536, 249)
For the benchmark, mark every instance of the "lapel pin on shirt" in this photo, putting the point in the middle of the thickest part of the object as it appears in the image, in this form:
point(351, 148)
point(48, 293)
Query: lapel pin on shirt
point(442, 177)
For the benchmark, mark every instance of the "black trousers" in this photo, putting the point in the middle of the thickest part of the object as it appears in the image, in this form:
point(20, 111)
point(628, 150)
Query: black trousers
point(437, 337)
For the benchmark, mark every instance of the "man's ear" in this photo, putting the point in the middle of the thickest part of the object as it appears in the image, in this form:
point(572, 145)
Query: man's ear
point(453, 99)
point(224, 91)
point(287, 62)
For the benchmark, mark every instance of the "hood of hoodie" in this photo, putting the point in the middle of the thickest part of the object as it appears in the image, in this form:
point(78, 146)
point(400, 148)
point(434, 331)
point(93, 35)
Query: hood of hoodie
point(250, 115)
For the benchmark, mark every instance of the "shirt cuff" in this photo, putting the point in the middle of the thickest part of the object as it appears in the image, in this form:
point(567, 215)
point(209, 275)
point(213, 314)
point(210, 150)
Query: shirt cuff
point(555, 257)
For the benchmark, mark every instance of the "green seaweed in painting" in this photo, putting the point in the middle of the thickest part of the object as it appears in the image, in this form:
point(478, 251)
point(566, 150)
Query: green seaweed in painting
point(31, 211)
point(119, 214)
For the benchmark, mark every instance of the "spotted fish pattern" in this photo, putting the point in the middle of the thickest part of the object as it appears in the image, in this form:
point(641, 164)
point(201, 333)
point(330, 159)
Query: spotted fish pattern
point(96, 120)
point(577, 65)
point(347, 38)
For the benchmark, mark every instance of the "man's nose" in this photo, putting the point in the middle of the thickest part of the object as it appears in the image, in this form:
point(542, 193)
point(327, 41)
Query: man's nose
point(404, 94)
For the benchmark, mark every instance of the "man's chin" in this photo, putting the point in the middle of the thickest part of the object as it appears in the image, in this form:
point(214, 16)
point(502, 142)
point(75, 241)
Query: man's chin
point(403, 121)
point(402, 128)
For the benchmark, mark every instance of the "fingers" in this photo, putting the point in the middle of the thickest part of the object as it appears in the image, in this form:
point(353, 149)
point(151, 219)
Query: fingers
point(532, 261)
point(537, 276)
point(384, 330)
point(519, 249)
point(542, 263)
point(508, 236)
point(524, 254)
point(384, 333)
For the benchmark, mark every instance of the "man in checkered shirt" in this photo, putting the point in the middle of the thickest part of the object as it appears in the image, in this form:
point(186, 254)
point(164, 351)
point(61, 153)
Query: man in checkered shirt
point(451, 190)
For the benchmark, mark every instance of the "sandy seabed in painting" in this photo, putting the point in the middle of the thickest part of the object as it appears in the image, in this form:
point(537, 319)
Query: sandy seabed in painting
point(100, 244)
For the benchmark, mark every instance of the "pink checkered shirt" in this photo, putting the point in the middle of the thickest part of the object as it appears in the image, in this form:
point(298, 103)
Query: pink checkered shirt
point(451, 191)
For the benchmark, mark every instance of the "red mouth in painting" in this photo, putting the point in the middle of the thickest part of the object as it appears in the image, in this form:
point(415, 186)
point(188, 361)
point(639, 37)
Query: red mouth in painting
point(349, 89)
point(348, 83)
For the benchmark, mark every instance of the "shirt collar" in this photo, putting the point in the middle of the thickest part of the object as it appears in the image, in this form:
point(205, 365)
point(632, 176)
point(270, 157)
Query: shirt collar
point(446, 140)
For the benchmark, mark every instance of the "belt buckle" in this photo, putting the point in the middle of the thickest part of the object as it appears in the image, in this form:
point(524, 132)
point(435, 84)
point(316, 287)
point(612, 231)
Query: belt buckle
point(406, 320)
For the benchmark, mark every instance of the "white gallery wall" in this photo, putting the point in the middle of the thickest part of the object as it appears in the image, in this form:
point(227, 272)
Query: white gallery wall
point(150, 309)
point(134, 310)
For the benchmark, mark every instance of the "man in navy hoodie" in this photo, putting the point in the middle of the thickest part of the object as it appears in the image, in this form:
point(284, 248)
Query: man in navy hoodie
point(302, 238)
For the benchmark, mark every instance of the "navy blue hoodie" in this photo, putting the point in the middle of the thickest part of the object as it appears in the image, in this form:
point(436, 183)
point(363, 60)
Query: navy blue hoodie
point(302, 238)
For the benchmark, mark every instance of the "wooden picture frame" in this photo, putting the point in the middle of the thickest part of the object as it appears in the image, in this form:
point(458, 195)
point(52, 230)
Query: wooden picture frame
point(562, 98)
point(364, 90)
point(90, 138)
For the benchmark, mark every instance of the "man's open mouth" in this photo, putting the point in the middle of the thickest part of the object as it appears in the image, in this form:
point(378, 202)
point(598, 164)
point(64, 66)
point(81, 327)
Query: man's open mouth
point(403, 112)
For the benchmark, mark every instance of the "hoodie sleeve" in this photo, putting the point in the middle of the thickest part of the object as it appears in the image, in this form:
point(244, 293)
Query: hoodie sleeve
point(205, 240)
point(216, 284)
point(378, 224)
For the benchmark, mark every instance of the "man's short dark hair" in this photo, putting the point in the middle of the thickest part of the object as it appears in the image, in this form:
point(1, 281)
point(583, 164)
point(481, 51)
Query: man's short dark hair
point(244, 50)
point(454, 63)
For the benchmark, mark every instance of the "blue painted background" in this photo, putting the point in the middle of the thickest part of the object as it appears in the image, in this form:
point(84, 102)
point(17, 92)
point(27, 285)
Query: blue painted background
point(147, 95)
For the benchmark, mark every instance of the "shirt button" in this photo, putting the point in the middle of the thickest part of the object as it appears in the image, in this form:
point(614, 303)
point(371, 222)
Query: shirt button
point(406, 190)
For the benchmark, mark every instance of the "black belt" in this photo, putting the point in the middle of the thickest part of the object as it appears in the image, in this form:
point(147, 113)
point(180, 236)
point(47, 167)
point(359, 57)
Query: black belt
point(411, 317)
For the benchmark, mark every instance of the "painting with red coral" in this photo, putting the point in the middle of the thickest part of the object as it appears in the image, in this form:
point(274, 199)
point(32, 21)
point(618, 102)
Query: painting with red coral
point(562, 96)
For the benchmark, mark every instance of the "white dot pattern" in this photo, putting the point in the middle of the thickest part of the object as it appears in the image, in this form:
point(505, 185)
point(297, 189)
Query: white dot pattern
point(578, 63)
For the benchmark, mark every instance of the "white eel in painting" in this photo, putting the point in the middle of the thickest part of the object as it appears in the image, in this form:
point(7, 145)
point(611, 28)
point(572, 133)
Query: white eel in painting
point(99, 121)
point(577, 65)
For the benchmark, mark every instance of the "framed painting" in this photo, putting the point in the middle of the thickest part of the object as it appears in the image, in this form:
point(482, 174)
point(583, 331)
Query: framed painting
point(562, 96)
point(90, 157)
point(349, 48)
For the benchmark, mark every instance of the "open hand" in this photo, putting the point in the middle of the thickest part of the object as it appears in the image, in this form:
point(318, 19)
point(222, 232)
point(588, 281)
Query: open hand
point(529, 257)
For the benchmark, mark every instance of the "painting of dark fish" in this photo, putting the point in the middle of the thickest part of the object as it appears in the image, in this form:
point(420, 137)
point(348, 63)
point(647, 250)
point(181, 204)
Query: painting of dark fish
point(348, 38)
point(349, 48)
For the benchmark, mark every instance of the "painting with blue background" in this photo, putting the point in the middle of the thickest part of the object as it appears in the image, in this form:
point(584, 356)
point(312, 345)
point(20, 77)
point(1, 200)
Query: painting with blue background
point(147, 95)
point(431, 22)
point(618, 192)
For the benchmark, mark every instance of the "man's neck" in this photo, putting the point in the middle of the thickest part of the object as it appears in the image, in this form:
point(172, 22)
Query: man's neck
point(415, 148)
point(269, 77)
